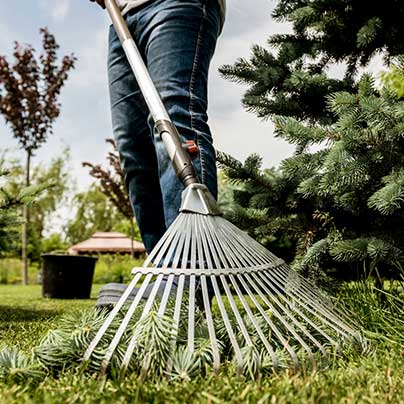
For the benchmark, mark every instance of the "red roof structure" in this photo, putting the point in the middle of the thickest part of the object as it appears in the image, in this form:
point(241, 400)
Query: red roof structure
point(107, 243)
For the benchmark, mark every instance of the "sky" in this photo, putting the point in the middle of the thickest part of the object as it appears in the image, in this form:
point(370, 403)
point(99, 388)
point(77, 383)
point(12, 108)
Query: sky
point(81, 27)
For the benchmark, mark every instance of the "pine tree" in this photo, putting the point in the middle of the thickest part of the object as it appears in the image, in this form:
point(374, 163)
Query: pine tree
point(9, 205)
point(342, 203)
point(291, 79)
point(343, 206)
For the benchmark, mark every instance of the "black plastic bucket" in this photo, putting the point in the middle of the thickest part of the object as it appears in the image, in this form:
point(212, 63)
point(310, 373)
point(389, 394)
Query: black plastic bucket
point(67, 276)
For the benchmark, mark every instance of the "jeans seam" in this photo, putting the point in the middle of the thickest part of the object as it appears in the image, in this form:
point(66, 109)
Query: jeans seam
point(192, 94)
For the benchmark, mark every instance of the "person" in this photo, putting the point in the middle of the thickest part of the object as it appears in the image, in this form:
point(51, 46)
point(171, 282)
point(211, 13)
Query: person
point(177, 39)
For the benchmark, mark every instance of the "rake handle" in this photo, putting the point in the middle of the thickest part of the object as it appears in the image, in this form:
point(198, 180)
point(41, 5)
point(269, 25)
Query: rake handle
point(164, 126)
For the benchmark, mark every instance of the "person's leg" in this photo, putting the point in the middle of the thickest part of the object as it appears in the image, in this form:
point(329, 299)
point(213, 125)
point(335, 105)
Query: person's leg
point(178, 39)
point(134, 143)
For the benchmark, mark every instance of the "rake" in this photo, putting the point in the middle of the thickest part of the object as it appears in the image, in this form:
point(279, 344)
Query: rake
point(205, 266)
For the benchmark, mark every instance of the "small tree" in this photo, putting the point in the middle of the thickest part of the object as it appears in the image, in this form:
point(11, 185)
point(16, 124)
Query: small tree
point(9, 203)
point(112, 185)
point(29, 91)
point(342, 205)
point(321, 201)
point(55, 171)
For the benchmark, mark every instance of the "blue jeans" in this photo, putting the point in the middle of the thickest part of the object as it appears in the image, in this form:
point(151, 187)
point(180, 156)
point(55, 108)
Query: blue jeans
point(177, 39)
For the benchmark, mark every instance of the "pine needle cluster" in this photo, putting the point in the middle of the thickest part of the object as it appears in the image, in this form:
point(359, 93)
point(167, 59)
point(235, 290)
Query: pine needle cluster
point(160, 348)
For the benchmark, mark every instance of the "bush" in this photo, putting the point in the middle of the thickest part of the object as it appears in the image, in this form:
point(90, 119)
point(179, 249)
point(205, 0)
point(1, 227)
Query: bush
point(115, 268)
point(10, 271)
point(109, 268)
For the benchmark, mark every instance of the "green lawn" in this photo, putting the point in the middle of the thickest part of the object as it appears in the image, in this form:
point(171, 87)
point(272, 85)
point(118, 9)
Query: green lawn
point(25, 316)
point(377, 377)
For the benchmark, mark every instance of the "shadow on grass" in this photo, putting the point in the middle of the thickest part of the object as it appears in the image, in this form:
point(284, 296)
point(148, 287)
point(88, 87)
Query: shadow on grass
point(18, 314)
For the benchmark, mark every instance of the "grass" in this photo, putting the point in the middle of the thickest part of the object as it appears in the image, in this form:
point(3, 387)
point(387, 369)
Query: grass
point(377, 377)
point(25, 316)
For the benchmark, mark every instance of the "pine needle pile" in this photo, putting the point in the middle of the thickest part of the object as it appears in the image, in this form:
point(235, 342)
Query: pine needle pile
point(158, 342)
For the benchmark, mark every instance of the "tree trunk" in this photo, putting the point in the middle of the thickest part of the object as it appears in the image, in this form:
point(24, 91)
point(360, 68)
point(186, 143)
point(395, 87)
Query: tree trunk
point(24, 252)
point(132, 234)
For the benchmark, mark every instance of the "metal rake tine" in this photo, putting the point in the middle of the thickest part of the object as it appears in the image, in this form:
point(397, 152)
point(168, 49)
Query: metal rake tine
point(200, 240)
point(273, 327)
point(211, 328)
point(298, 289)
point(220, 260)
point(201, 253)
point(162, 308)
point(259, 250)
point(191, 313)
point(166, 295)
point(172, 231)
point(290, 327)
point(270, 283)
point(318, 312)
point(177, 314)
point(180, 291)
point(145, 312)
point(111, 317)
point(196, 260)
point(302, 293)
point(230, 249)
point(163, 239)
point(233, 340)
point(336, 310)
point(208, 247)
point(187, 243)
point(218, 257)
point(152, 296)
point(249, 254)
point(328, 314)
point(314, 293)
point(256, 253)
point(172, 248)
point(214, 248)
point(124, 324)
point(192, 287)
point(255, 323)
point(218, 250)
point(236, 312)
point(180, 248)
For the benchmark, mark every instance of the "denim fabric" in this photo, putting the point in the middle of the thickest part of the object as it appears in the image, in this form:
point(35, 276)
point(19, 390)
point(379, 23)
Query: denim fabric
point(177, 39)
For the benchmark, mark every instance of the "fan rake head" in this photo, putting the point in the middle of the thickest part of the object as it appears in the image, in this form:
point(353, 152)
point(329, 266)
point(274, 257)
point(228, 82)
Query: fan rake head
point(205, 272)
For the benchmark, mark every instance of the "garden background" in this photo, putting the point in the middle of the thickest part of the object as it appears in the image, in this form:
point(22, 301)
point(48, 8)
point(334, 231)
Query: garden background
point(322, 110)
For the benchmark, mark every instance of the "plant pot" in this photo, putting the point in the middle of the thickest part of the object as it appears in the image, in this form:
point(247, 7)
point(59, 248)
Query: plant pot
point(67, 276)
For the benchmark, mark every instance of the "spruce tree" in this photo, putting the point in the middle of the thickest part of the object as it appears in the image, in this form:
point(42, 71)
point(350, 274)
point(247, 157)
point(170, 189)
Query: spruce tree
point(9, 206)
point(339, 208)
point(343, 205)
point(290, 78)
